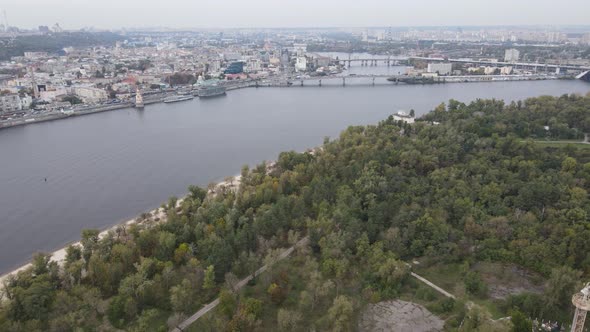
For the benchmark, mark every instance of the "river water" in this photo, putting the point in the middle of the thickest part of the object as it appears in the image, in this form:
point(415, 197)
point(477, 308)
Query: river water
point(106, 168)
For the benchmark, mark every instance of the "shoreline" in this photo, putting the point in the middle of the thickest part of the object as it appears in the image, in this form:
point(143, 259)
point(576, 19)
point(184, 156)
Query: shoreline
point(312, 82)
point(59, 255)
point(93, 110)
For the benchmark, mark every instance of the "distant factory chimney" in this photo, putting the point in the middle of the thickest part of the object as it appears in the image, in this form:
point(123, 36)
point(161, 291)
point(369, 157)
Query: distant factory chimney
point(4, 22)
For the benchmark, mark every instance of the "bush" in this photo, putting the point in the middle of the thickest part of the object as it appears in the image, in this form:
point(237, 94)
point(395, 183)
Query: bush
point(475, 285)
point(520, 323)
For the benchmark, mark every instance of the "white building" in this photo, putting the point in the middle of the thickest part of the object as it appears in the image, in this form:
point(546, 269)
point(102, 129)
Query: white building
point(301, 64)
point(215, 66)
point(10, 103)
point(90, 95)
point(506, 70)
point(253, 65)
point(511, 55)
point(35, 55)
point(489, 70)
point(403, 116)
point(440, 68)
point(51, 94)
point(25, 102)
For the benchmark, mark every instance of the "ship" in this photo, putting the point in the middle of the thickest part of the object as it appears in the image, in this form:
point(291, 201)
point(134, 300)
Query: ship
point(209, 88)
point(175, 99)
point(138, 99)
point(211, 91)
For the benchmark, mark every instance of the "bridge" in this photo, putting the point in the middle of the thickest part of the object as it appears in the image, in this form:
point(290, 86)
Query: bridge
point(390, 61)
point(395, 79)
point(397, 60)
point(504, 64)
point(319, 79)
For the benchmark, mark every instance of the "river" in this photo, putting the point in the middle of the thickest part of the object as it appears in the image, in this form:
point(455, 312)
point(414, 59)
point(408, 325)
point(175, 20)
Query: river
point(106, 168)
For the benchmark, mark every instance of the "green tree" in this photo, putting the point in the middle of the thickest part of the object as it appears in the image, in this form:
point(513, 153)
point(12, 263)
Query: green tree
point(289, 320)
point(209, 282)
point(228, 302)
point(182, 297)
point(475, 285)
point(340, 313)
point(569, 165)
point(520, 323)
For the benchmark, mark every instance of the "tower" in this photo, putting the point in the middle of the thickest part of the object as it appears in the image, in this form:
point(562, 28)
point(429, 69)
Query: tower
point(581, 301)
point(138, 99)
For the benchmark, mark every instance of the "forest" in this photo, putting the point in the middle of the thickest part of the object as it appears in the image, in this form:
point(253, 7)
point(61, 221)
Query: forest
point(465, 185)
point(53, 43)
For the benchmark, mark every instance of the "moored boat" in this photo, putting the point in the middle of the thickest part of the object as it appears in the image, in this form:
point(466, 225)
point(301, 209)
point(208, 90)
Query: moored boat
point(175, 99)
point(211, 91)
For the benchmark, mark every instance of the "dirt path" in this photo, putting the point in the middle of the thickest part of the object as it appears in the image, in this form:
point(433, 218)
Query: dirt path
point(435, 287)
point(399, 316)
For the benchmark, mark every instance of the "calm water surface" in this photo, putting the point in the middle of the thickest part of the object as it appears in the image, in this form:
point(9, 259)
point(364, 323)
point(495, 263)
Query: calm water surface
point(106, 168)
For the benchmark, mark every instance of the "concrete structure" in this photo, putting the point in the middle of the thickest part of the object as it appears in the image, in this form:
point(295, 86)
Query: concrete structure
point(581, 301)
point(585, 76)
point(323, 61)
point(511, 55)
point(440, 68)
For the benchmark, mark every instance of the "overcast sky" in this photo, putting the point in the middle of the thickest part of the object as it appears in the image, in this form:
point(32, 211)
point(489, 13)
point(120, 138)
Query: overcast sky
point(73, 14)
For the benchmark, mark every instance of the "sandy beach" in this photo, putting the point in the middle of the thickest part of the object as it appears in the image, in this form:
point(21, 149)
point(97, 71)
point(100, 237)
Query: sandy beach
point(158, 215)
point(59, 256)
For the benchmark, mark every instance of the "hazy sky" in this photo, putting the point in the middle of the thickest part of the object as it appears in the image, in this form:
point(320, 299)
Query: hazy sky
point(73, 14)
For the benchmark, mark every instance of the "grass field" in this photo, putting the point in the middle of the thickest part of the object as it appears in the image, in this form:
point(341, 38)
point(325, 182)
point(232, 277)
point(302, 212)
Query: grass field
point(562, 144)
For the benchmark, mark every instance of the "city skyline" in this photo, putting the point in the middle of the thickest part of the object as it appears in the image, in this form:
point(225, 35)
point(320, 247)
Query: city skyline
point(110, 14)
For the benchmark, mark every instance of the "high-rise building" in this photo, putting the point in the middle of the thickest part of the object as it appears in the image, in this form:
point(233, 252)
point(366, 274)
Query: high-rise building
point(511, 55)
point(301, 64)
